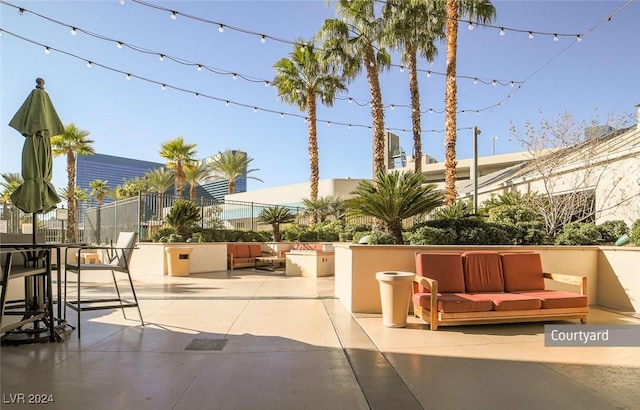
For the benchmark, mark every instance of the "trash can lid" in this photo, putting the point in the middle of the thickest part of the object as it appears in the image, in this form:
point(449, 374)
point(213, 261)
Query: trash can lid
point(395, 276)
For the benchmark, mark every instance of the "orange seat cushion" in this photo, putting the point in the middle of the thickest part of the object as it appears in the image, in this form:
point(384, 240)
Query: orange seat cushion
point(454, 302)
point(522, 271)
point(482, 272)
point(510, 301)
point(446, 268)
point(552, 299)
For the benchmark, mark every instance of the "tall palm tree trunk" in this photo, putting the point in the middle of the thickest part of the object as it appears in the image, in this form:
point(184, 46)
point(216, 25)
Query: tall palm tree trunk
point(451, 102)
point(313, 145)
point(72, 215)
point(377, 112)
point(414, 90)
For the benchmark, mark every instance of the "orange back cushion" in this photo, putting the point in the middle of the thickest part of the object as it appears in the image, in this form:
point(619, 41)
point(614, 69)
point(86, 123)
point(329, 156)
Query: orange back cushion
point(522, 271)
point(243, 250)
point(255, 250)
point(483, 272)
point(446, 268)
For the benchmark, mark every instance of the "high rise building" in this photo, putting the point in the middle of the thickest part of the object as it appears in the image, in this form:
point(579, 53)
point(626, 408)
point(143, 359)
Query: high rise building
point(110, 168)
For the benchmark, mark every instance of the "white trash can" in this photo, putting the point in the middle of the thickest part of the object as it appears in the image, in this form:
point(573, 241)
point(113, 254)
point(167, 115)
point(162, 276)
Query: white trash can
point(395, 297)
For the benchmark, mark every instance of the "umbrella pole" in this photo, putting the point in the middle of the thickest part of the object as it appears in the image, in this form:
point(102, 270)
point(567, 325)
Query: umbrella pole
point(33, 229)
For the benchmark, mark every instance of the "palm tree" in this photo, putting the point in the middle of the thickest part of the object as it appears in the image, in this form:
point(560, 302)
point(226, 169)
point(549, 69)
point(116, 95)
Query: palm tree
point(194, 176)
point(302, 79)
point(393, 197)
point(179, 157)
point(130, 188)
point(351, 42)
point(274, 216)
point(159, 180)
point(100, 190)
point(12, 180)
point(232, 165)
point(411, 28)
point(323, 207)
point(71, 143)
point(474, 10)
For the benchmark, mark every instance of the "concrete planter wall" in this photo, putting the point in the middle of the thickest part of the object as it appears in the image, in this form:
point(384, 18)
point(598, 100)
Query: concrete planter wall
point(612, 273)
point(205, 257)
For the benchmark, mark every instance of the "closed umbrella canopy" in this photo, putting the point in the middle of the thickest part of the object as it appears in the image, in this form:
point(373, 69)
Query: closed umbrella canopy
point(37, 121)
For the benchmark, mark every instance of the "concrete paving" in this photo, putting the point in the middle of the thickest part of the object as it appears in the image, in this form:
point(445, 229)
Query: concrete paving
point(248, 339)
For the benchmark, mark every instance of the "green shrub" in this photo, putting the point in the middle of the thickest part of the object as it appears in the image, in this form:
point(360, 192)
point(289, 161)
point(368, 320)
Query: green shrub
point(578, 233)
point(526, 225)
point(428, 235)
point(292, 232)
point(474, 231)
point(610, 231)
point(359, 235)
point(635, 233)
point(162, 233)
point(328, 231)
point(349, 230)
point(381, 238)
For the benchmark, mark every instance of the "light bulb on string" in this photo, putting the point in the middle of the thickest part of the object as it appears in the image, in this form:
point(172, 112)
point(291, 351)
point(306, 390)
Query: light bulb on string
point(328, 123)
point(163, 87)
point(402, 69)
point(47, 50)
point(349, 126)
point(221, 28)
point(128, 77)
point(119, 45)
point(267, 84)
point(350, 100)
point(234, 76)
point(21, 11)
point(255, 109)
point(161, 57)
point(89, 64)
point(555, 37)
point(578, 38)
point(475, 81)
point(121, 2)
point(73, 31)
point(197, 95)
point(393, 106)
point(512, 83)
point(428, 73)
point(531, 35)
point(263, 39)
point(494, 83)
point(174, 15)
point(281, 115)
point(226, 103)
point(502, 32)
point(470, 26)
point(199, 68)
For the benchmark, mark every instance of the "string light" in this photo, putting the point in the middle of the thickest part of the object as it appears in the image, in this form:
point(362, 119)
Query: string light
point(173, 15)
point(234, 76)
point(89, 64)
point(555, 37)
point(121, 2)
point(221, 28)
point(470, 26)
point(578, 38)
point(73, 31)
point(502, 32)
point(47, 50)
point(163, 87)
point(531, 34)
point(199, 68)
point(119, 45)
point(21, 11)
point(429, 74)
point(128, 77)
point(263, 39)
point(402, 69)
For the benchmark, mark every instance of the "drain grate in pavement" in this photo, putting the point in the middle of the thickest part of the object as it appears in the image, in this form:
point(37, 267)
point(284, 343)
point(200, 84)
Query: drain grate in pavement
point(207, 344)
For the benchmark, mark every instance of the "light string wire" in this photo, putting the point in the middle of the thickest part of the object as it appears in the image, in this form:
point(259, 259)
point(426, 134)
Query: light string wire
point(255, 108)
point(245, 77)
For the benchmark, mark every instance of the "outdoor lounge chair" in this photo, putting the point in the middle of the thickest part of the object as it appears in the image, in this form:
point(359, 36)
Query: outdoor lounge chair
point(117, 260)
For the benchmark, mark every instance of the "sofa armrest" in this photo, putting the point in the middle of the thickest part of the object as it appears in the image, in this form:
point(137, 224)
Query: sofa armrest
point(428, 283)
point(580, 281)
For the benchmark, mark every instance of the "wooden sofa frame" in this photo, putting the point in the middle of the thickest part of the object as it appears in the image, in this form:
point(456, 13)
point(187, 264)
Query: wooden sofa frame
point(435, 318)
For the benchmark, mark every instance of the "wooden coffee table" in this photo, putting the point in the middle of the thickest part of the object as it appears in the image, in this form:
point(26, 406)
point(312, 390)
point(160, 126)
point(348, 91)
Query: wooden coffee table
point(275, 262)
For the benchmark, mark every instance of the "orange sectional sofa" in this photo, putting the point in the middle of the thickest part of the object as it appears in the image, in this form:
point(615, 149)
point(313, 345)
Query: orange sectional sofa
point(241, 255)
point(479, 287)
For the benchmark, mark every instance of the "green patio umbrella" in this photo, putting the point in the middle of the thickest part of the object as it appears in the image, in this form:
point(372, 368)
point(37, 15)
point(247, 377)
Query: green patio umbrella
point(37, 121)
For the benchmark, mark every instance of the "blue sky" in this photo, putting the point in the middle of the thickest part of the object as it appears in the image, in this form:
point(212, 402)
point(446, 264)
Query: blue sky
point(132, 118)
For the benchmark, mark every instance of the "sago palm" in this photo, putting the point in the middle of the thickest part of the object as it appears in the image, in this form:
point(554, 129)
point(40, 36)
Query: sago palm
point(72, 142)
point(275, 216)
point(179, 156)
point(232, 165)
point(352, 42)
point(302, 79)
point(393, 197)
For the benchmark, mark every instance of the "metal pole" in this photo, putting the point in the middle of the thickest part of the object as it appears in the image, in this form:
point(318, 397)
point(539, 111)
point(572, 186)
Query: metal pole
point(476, 132)
point(494, 138)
